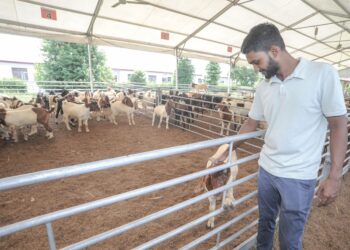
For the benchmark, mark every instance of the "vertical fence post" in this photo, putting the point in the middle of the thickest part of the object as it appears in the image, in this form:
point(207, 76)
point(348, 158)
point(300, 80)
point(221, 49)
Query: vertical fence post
point(326, 165)
point(51, 236)
point(218, 236)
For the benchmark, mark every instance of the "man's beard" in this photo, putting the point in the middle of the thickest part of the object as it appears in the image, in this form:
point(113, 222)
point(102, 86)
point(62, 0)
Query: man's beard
point(271, 70)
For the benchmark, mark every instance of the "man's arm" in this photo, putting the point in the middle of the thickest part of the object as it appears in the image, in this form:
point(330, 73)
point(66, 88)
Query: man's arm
point(250, 125)
point(329, 189)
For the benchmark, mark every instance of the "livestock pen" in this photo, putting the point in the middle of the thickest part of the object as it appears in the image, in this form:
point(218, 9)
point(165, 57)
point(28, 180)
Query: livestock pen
point(127, 209)
point(116, 184)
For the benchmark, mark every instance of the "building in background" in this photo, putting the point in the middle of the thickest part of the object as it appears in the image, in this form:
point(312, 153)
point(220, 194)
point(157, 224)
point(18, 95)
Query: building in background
point(19, 70)
point(18, 56)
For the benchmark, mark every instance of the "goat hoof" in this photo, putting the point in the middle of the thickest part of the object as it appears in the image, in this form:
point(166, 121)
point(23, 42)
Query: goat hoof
point(228, 204)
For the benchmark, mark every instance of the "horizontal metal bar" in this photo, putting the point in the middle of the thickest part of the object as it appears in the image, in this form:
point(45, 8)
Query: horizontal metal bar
point(248, 243)
point(119, 230)
point(192, 224)
point(219, 229)
point(113, 199)
point(74, 170)
point(235, 235)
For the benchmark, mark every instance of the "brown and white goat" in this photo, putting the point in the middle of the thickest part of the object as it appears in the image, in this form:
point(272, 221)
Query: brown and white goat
point(218, 179)
point(80, 111)
point(23, 117)
point(127, 106)
point(11, 103)
point(226, 116)
point(198, 87)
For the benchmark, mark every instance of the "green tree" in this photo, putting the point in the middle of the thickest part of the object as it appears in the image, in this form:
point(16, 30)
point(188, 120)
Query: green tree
point(69, 62)
point(213, 73)
point(138, 77)
point(185, 71)
point(244, 76)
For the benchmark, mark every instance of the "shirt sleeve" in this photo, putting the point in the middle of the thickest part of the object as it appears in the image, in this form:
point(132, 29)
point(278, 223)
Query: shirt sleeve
point(257, 110)
point(332, 98)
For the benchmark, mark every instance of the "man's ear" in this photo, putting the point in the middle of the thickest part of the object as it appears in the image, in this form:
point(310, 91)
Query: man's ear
point(274, 51)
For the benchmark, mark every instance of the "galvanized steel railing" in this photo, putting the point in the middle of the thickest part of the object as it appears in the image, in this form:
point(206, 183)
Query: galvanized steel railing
point(54, 174)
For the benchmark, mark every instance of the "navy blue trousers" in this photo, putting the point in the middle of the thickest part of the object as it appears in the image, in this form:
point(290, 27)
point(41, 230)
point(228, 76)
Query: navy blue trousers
point(291, 199)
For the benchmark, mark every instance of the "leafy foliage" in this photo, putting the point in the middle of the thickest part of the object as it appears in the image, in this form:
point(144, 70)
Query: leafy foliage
point(69, 62)
point(138, 77)
point(213, 73)
point(244, 76)
point(185, 71)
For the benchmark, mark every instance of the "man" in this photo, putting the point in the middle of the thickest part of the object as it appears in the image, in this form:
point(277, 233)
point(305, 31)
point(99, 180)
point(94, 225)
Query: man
point(298, 99)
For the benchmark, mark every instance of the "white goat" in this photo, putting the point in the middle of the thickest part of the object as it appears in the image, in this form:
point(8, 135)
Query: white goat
point(163, 111)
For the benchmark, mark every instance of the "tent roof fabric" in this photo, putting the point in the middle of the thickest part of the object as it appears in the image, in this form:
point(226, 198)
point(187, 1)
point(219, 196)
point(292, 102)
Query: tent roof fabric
point(206, 29)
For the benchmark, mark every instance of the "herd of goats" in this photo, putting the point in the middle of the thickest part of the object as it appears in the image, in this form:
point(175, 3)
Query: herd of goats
point(77, 107)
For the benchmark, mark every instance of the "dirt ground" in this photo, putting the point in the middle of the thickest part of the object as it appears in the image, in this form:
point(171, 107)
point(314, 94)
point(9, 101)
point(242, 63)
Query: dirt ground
point(328, 227)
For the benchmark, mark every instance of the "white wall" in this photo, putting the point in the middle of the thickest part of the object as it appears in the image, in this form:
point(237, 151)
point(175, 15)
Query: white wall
point(122, 75)
point(6, 69)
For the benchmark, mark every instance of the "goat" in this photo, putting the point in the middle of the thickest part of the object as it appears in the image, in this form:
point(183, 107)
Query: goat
point(81, 111)
point(11, 103)
point(148, 100)
point(226, 117)
point(126, 105)
point(163, 111)
point(183, 112)
point(218, 179)
point(24, 117)
point(200, 86)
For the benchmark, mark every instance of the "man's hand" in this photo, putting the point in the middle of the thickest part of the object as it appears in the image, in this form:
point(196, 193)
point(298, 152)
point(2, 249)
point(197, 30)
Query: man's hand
point(328, 191)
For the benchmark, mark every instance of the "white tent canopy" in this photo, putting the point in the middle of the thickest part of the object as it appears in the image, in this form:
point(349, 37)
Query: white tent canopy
point(207, 29)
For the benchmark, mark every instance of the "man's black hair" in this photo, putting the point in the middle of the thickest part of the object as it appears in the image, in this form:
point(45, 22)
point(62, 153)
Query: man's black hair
point(261, 38)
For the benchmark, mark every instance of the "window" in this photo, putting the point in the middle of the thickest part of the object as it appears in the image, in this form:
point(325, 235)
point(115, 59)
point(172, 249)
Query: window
point(152, 78)
point(116, 78)
point(129, 77)
point(166, 79)
point(20, 73)
point(200, 80)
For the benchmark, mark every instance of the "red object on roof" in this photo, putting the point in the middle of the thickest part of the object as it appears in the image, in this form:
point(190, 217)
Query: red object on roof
point(48, 13)
point(164, 35)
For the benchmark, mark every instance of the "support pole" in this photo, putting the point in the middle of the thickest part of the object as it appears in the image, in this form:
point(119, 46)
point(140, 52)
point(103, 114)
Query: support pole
point(176, 71)
point(229, 84)
point(90, 65)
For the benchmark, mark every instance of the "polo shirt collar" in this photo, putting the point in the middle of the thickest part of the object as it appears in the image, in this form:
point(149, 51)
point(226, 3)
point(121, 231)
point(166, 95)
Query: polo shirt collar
point(299, 72)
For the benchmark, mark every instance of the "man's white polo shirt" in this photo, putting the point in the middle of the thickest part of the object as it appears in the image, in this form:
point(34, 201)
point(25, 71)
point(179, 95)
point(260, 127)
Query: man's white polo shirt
point(295, 110)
